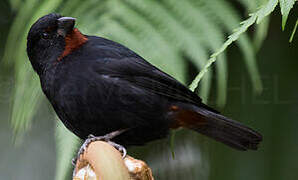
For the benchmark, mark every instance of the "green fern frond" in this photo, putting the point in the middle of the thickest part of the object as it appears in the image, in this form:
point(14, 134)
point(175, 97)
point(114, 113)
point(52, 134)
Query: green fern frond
point(261, 33)
point(155, 45)
point(70, 6)
point(255, 17)
point(84, 8)
point(92, 21)
point(265, 10)
point(285, 7)
point(152, 36)
point(294, 30)
point(172, 30)
point(229, 19)
point(26, 91)
point(261, 29)
point(211, 38)
point(17, 31)
point(15, 4)
point(249, 4)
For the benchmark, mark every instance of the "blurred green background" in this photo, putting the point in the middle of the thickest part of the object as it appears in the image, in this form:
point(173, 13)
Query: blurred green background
point(177, 36)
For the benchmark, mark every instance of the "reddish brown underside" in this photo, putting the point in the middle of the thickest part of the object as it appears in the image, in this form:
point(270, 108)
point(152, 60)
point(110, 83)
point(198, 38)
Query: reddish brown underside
point(73, 41)
point(186, 118)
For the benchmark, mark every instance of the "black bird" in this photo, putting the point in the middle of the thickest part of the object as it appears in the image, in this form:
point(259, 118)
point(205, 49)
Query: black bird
point(97, 86)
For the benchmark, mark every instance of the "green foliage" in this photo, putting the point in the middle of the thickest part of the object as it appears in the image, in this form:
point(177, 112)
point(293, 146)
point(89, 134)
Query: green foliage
point(254, 17)
point(27, 92)
point(285, 7)
point(294, 30)
point(168, 33)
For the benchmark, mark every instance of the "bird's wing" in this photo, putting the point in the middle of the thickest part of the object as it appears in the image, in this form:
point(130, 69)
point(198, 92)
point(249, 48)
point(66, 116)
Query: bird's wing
point(142, 74)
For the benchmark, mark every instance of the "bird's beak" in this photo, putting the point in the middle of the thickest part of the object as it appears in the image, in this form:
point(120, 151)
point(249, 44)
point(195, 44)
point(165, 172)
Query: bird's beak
point(65, 25)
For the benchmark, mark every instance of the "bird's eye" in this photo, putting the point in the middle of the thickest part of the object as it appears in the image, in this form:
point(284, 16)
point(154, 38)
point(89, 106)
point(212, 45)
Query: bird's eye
point(45, 35)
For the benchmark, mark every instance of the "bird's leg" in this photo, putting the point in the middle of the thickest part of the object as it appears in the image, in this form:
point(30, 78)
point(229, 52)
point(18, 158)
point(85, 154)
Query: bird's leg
point(107, 138)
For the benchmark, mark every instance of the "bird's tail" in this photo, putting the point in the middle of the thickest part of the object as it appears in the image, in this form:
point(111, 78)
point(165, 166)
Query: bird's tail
point(220, 128)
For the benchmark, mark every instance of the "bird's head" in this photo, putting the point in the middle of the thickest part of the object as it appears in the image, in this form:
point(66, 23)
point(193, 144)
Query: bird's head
point(50, 39)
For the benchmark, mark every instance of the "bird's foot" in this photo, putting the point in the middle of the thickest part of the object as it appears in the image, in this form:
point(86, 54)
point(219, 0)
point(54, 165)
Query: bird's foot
point(107, 138)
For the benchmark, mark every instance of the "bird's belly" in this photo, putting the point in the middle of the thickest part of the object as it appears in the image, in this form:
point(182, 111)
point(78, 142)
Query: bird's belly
point(144, 117)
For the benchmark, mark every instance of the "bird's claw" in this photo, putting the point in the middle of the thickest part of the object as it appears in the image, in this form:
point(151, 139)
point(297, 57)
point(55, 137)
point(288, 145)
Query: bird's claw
point(107, 138)
point(89, 140)
point(119, 147)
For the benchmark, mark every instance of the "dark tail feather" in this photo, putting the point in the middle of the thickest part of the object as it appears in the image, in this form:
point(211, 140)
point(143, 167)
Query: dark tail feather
point(227, 131)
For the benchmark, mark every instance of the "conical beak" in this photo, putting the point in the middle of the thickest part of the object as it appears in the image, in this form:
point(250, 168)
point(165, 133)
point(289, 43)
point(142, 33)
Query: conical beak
point(65, 25)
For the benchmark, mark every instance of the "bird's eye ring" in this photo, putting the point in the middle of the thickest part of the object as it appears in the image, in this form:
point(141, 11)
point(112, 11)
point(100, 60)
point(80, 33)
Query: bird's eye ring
point(45, 35)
